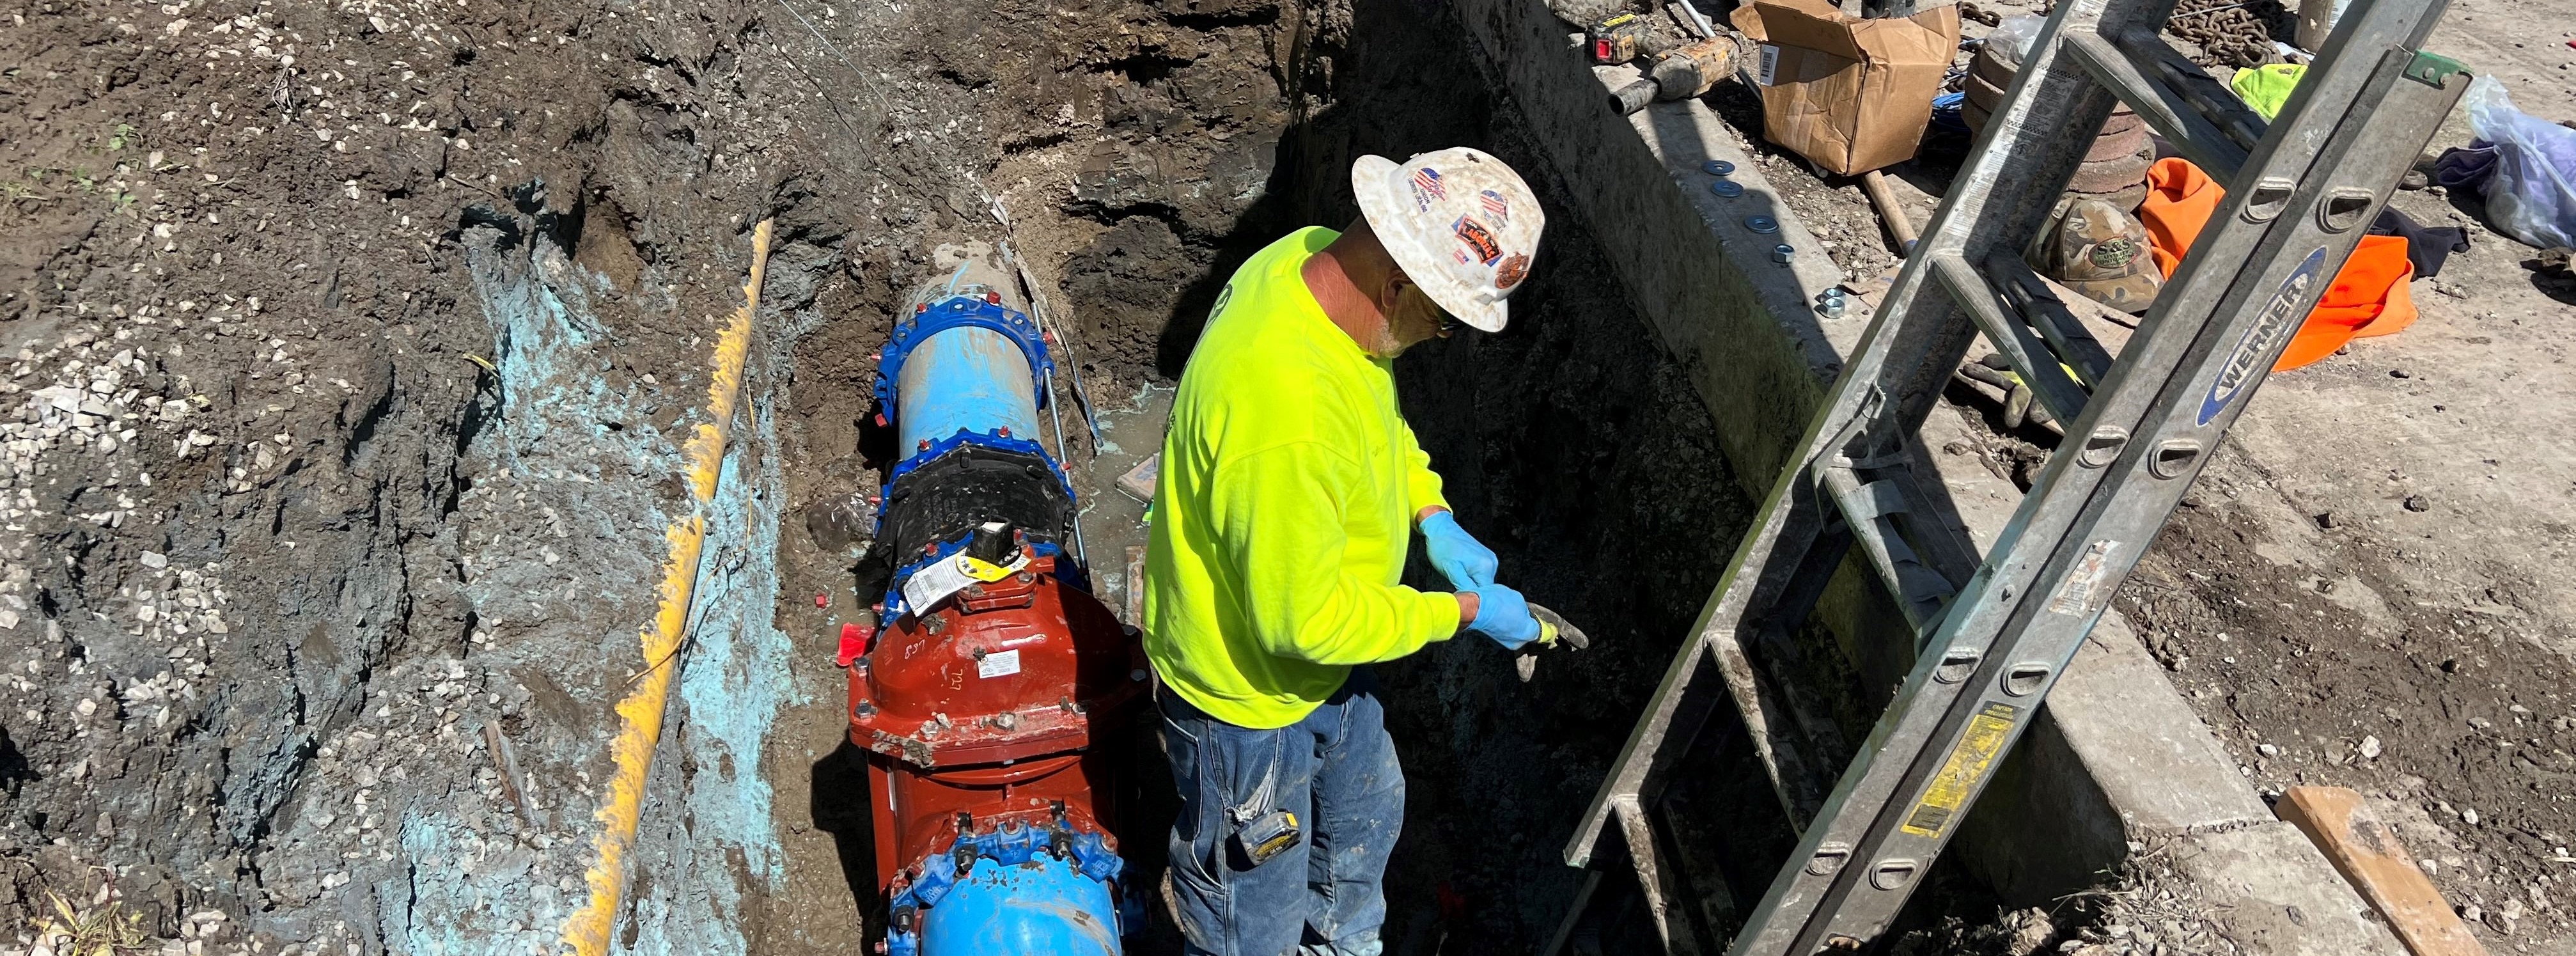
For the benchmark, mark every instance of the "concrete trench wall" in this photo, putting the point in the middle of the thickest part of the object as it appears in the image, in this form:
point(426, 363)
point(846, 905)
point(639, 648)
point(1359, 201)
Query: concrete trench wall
point(2117, 762)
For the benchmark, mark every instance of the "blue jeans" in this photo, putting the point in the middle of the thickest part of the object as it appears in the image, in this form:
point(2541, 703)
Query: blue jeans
point(1336, 770)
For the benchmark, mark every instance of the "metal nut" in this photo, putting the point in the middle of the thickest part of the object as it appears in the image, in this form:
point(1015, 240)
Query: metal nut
point(1781, 254)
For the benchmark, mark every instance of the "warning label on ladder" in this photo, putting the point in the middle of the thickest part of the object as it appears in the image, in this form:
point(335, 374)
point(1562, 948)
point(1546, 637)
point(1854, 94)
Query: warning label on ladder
point(1968, 763)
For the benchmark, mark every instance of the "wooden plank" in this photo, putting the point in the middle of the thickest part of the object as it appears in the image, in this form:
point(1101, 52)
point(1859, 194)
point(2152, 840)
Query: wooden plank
point(2366, 851)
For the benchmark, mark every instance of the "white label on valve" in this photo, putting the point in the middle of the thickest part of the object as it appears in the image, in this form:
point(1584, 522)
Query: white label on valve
point(998, 664)
point(930, 585)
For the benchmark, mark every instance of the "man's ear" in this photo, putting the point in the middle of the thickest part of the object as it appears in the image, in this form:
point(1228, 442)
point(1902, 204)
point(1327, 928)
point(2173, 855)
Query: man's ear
point(1391, 294)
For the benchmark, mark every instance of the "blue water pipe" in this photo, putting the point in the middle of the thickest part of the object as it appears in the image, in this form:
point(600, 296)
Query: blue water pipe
point(1016, 890)
point(962, 369)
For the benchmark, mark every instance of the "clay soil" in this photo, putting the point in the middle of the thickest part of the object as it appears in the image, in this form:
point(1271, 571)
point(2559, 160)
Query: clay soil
point(354, 347)
point(351, 347)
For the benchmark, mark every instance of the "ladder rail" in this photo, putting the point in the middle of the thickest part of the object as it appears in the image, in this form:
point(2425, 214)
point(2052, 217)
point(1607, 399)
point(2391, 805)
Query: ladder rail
point(1986, 659)
point(2085, 525)
point(1777, 552)
point(1773, 546)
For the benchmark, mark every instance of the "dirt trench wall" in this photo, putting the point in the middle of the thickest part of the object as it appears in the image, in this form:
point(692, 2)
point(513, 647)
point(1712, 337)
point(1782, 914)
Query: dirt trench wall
point(407, 333)
point(403, 311)
point(1570, 443)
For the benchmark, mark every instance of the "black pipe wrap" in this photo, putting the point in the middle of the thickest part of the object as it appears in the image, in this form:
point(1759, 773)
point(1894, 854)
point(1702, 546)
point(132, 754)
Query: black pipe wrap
point(968, 487)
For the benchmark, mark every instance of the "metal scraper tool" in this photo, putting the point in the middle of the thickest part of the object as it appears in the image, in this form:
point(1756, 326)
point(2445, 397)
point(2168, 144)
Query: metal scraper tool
point(1552, 629)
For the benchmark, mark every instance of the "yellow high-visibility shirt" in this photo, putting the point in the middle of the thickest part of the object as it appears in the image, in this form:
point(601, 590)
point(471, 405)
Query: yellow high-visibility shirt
point(1284, 508)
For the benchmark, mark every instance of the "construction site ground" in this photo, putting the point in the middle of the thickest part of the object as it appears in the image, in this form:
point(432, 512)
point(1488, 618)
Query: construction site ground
point(2365, 589)
point(353, 345)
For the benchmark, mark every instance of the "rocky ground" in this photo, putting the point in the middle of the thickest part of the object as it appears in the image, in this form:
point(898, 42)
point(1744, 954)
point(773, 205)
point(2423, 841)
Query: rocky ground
point(356, 342)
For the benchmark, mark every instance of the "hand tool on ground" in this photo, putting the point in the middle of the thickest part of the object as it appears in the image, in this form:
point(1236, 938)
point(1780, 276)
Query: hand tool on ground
point(1990, 634)
point(1553, 629)
point(1680, 74)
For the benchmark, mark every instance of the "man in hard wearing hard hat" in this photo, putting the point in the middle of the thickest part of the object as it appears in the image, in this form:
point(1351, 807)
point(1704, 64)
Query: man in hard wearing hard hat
point(1291, 488)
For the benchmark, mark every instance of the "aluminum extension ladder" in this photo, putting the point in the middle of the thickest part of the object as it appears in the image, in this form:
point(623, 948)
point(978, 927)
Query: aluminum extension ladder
point(1991, 635)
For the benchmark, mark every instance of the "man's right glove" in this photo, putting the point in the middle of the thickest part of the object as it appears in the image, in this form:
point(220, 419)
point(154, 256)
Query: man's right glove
point(1502, 614)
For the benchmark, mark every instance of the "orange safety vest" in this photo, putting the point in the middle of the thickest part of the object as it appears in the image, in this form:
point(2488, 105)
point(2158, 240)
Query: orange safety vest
point(2369, 297)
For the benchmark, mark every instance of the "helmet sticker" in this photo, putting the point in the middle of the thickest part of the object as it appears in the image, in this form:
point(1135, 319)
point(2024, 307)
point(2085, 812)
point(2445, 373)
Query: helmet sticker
point(1479, 242)
point(1496, 207)
point(1427, 188)
point(1511, 272)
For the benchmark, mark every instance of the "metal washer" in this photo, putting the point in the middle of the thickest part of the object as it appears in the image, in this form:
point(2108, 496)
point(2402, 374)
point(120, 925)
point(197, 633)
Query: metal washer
point(1717, 167)
point(1763, 225)
point(1727, 187)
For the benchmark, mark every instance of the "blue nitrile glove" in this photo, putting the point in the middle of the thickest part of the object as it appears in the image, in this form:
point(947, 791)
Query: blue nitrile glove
point(1456, 553)
point(1503, 615)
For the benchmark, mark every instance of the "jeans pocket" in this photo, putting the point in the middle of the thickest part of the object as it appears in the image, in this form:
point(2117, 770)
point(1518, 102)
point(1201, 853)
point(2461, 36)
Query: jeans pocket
point(1179, 718)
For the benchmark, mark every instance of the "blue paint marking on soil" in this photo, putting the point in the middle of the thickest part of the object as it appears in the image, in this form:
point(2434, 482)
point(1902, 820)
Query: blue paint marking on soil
point(718, 841)
point(708, 843)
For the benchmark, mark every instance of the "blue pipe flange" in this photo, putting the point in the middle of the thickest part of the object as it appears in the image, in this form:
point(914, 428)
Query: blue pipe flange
point(954, 312)
point(1021, 889)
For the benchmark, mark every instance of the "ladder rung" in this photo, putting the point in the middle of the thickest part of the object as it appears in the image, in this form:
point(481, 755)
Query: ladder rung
point(1667, 897)
point(2066, 334)
point(1921, 592)
point(2004, 328)
point(2150, 84)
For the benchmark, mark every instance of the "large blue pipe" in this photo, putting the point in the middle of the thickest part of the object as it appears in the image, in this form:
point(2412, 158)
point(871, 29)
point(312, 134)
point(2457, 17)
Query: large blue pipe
point(966, 378)
point(965, 363)
point(1044, 905)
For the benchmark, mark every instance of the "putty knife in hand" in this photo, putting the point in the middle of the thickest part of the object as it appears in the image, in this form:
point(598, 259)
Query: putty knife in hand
point(1552, 628)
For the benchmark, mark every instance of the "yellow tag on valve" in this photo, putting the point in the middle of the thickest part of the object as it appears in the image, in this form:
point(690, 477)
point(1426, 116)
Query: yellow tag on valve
point(986, 571)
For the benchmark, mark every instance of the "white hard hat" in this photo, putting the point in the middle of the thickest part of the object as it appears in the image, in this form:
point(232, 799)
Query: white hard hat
point(1459, 222)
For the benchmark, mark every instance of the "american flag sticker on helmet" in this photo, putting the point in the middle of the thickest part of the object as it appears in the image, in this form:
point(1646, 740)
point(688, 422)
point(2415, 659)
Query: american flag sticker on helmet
point(1427, 188)
point(1496, 207)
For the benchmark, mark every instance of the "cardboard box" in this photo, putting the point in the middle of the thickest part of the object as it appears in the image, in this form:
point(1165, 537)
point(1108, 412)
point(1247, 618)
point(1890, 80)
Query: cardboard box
point(1852, 94)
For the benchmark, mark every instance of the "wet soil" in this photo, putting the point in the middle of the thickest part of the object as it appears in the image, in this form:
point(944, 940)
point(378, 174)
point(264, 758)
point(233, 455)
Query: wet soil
point(404, 310)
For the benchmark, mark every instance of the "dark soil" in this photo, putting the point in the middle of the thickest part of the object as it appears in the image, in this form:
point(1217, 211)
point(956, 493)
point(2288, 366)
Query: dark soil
point(407, 331)
point(2454, 721)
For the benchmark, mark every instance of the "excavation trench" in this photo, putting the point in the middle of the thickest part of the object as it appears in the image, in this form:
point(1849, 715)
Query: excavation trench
point(421, 382)
point(1572, 443)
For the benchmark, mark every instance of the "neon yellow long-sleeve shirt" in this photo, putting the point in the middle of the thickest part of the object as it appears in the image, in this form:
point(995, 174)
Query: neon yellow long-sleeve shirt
point(1284, 508)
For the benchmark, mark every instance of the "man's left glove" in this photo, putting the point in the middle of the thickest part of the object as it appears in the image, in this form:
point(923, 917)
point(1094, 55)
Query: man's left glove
point(1466, 562)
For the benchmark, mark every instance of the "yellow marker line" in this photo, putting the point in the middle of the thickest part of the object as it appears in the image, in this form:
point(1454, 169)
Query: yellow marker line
point(640, 714)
